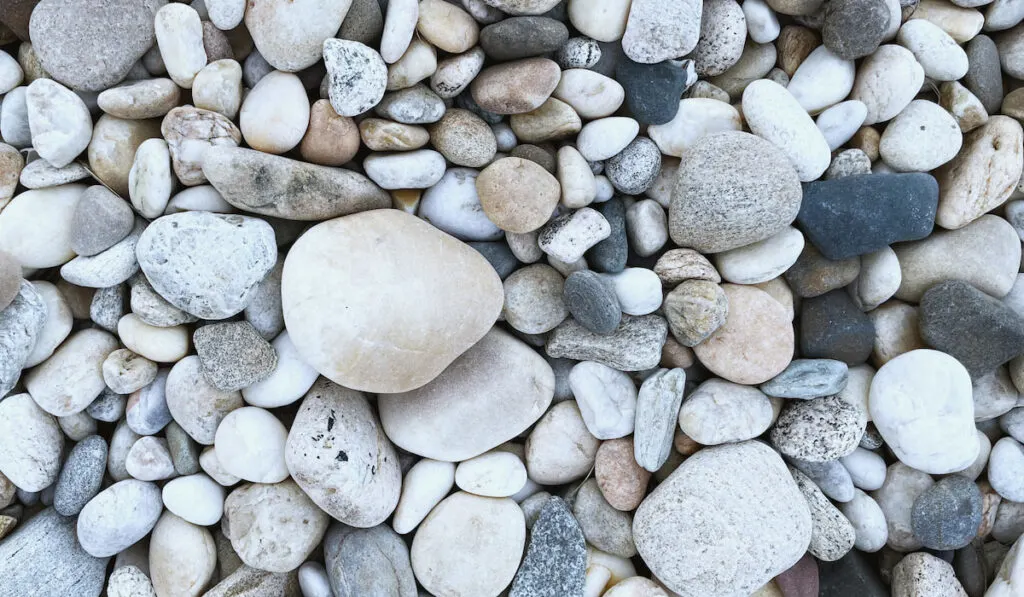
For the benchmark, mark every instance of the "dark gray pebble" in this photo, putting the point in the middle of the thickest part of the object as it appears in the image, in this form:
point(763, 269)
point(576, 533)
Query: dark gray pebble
point(808, 378)
point(498, 255)
point(653, 90)
point(947, 514)
point(591, 301)
point(832, 327)
point(853, 28)
point(610, 255)
point(556, 558)
point(853, 575)
point(184, 450)
point(522, 37)
point(984, 76)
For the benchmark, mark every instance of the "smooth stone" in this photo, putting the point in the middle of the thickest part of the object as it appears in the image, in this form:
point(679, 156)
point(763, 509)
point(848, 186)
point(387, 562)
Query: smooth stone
point(153, 309)
point(214, 288)
point(212, 467)
point(350, 554)
point(233, 355)
point(622, 481)
point(108, 268)
point(983, 175)
point(40, 174)
point(464, 139)
point(515, 87)
point(101, 219)
point(634, 169)
point(603, 138)
point(149, 460)
point(455, 73)
point(21, 326)
point(119, 516)
point(774, 114)
point(179, 36)
point(886, 82)
point(160, 344)
point(417, 63)
point(184, 450)
point(763, 260)
point(868, 521)
point(925, 574)
point(280, 187)
point(633, 346)
point(832, 535)
point(414, 105)
point(755, 62)
point(386, 135)
point(976, 329)
point(290, 379)
point(710, 174)
point(331, 139)
point(832, 327)
point(275, 114)
point(818, 430)
point(660, 31)
point(15, 129)
point(965, 107)
point(533, 299)
point(984, 76)
point(854, 28)
point(568, 237)
point(747, 482)
point(878, 281)
point(182, 556)
point(831, 477)
point(36, 241)
point(424, 486)
point(517, 195)
point(906, 425)
point(250, 444)
point(31, 442)
point(822, 80)
point(43, 557)
point(307, 285)
point(720, 412)
point(606, 397)
point(603, 526)
point(1005, 464)
point(492, 474)
point(463, 427)
point(866, 468)
point(560, 449)
point(839, 123)
point(590, 94)
point(129, 581)
point(499, 255)
point(522, 37)
point(290, 35)
point(849, 163)
point(90, 46)
point(592, 302)
point(313, 579)
point(610, 254)
point(883, 209)
point(399, 25)
point(896, 499)
point(937, 52)
point(109, 305)
point(650, 89)
point(189, 133)
point(637, 289)
point(72, 377)
point(723, 30)
point(81, 476)
point(756, 342)
point(251, 582)
point(488, 534)
point(146, 411)
point(947, 515)
point(578, 52)
point(922, 137)
point(658, 403)
point(121, 441)
point(808, 378)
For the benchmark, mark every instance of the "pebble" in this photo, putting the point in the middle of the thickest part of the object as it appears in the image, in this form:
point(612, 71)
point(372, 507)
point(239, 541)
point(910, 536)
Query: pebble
point(150, 98)
point(756, 325)
point(44, 556)
point(470, 428)
point(922, 137)
point(659, 31)
point(604, 22)
point(720, 170)
point(356, 74)
point(947, 515)
point(290, 35)
point(160, 344)
point(896, 497)
point(610, 254)
point(414, 105)
point(649, 90)
point(149, 460)
point(180, 555)
point(533, 299)
point(349, 551)
point(818, 430)
point(831, 477)
point(556, 561)
point(592, 302)
point(965, 107)
point(250, 582)
point(604, 527)
point(39, 174)
point(578, 184)
point(925, 574)
point(488, 534)
point(1004, 467)
point(313, 580)
point(634, 169)
point(763, 260)
point(983, 175)
point(886, 82)
point(657, 406)
point(464, 139)
point(21, 325)
point(93, 50)
point(937, 52)
point(856, 202)
point(522, 37)
point(590, 94)
point(424, 486)
point(31, 442)
point(560, 449)
point(120, 442)
point(418, 169)
point(14, 125)
point(832, 535)
point(69, 380)
point(606, 397)
point(59, 120)
point(755, 62)
point(720, 412)
point(399, 25)
point(129, 581)
point(453, 205)
point(854, 28)
point(515, 87)
point(634, 346)
point(517, 195)
point(637, 289)
point(275, 114)
point(695, 309)
point(839, 122)
point(492, 474)
point(984, 76)
point(81, 476)
point(866, 468)
point(147, 410)
point(746, 482)
point(977, 330)
point(677, 265)
point(101, 219)
point(569, 236)
point(189, 132)
point(832, 327)
point(695, 118)
point(868, 521)
point(455, 73)
point(233, 355)
point(896, 331)
point(118, 517)
point(808, 378)
point(250, 444)
point(179, 35)
point(822, 80)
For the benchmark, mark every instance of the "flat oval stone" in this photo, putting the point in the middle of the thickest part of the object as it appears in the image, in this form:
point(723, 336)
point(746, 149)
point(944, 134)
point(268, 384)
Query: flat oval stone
point(854, 28)
point(922, 137)
point(719, 412)
point(517, 194)
point(832, 535)
point(69, 380)
point(854, 215)
point(772, 113)
point(489, 395)
point(35, 228)
point(713, 207)
point(339, 455)
point(592, 302)
point(984, 76)
point(81, 477)
point(31, 444)
point(428, 288)
point(808, 378)
point(522, 37)
point(657, 31)
point(516, 87)
point(633, 346)
point(185, 256)
point(118, 517)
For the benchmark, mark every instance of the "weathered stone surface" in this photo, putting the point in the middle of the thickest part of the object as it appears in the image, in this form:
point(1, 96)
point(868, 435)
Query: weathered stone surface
point(43, 558)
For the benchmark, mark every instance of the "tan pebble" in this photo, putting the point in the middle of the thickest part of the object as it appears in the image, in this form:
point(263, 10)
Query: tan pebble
point(79, 298)
point(779, 290)
point(216, 43)
point(676, 356)
point(541, 156)
point(464, 139)
point(554, 119)
point(677, 265)
point(418, 63)
point(517, 195)
point(684, 444)
point(385, 135)
point(112, 148)
point(330, 140)
point(406, 200)
point(1013, 104)
point(867, 140)
point(962, 24)
point(151, 98)
point(7, 524)
point(795, 43)
point(966, 108)
point(30, 64)
point(447, 26)
point(896, 331)
point(11, 165)
point(621, 480)
point(516, 87)
point(694, 310)
point(756, 342)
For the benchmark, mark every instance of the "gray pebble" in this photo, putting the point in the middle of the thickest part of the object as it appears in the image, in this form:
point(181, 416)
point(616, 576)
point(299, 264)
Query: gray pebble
point(818, 430)
point(82, 476)
point(233, 355)
point(28, 498)
point(498, 255)
point(984, 76)
point(522, 37)
point(578, 52)
point(872, 439)
point(43, 558)
point(814, 275)
point(20, 324)
point(604, 527)
point(350, 553)
point(723, 30)
point(110, 267)
point(634, 169)
point(153, 308)
point(556, 558)
point(591, 301)
point(184, 450)
point(363, 22)
point(808, 378)
point(832, 535)
point(264, 310)
point(40, 174)
point(108, 306)
point(10, 279)
point(14, 119)
point(561, 369)
point(255, 68)
point(634, 346)
point(947, 515)
point(107, 407)
point(831, 477)
point(147, 409)
point(854, 28)
point(101, 220)
point(657, 413)
point(413, 105)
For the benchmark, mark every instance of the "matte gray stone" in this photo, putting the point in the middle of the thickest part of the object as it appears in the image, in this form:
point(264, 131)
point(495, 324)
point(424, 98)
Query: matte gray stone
point(100, 221)
point(831, 477)
point(366, 562)
point(108, 306)
point(154, 309)
point(556, 558)
point(184, 450)
point(234, 355)
point(832, 535)
point(947, 515)
point(20, 325)
point(605, 528)
point(522, 37)
point(264, 310)
point(634, 169)
point(854, 28)
point(10, 279)
point(42, 558)
point(592, 302)
point(82, 476)
point(108, 407)
point(808, 378)
point(498, 255)
point(984, 76)
point(634, 346)
point(609, 255)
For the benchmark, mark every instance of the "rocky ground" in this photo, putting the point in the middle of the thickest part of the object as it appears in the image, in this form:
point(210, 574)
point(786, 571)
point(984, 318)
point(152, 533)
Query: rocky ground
point(519, 298)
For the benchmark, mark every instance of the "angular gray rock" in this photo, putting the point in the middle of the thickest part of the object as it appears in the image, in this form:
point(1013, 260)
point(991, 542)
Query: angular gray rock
point(101, 220)
point(556, 558)
point(277, 186)
point(20, 324)
point(363, 562)
point(633, 346)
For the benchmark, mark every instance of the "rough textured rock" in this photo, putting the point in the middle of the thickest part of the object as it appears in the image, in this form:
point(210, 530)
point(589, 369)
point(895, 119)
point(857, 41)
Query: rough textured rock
point(371, 561)
point(555, 562)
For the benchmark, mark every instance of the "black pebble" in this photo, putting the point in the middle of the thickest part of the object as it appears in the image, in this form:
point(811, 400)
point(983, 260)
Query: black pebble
point(832, 327)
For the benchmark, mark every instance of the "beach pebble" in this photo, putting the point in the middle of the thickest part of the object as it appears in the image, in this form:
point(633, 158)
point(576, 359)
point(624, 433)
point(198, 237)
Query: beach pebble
point(818, 430)
point(622, 482)
point(195, 498)
point(854, 28)
point(657, 406)
point(637, 289)
point(31, 442)
point(763, 260)
point(868, 520)
point(560, 449)
point(866, 468)
point(179, 35)
point(59, 120)
point(149, 98)
point(569, 236)
point(418, 169)
point(556, 557)
point(181, 554)
point(101, 219)
point(606, 397)
point(603, 526)
point(424, 486)
point(275, 114)
point(189, 132)
point(808, 378)
point(937, 52)
point(119, 516)
point(149, 460)
point(719, 412)
point(515, 87)
point(349, 551)
point(592, 302)
point(289, 380)
point(357, 75)
point(159, 344)
point(832, 535)
point(289, 35)
point(129, 581)
point(822, 80)
point(886, 82)
point(533, 299)
point(81, 476)
point(965, 107)
point(492, 474)
point(773, 114)
point(695, 309)
point(660, 31)
point(839, 123)
point(250, 444)
point(517, 195)
point(832, 327)
point(947, 515)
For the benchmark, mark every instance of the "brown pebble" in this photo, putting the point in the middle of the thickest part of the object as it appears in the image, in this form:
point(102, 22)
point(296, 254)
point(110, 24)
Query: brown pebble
point(685, 445)
point(676, 356)
point(385, 135)
point(621, 480)
point(330, 140)
point(795, 43)
point(216, 43)
point(677, 265)
point(537, 155)
point(406, 200)
point(517, 194)
point(866, 139)
point(516, 87)
point(464, 139)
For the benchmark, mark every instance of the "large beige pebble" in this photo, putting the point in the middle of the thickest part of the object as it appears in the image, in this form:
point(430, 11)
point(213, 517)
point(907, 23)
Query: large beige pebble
point(554, 119)
point(331, 139)
point(560, 449)
point(695, 118)
point(149, 98)
point(591, 94)
point(36, 227)
point(983, 175)
point(517, 195)
point(72, 378)
point(289, 34)
point(446, 26)
point(163, 345)
point(887, 81)
point(755, 344)
point(179, 35)
point(464, 139)
point(922, 137)
point(579, 186)
point(337, 275)
point(516, 87)
point(961, 23)
point(469, 545)
point(492, 474)
point(275, 114)
point(182, 557)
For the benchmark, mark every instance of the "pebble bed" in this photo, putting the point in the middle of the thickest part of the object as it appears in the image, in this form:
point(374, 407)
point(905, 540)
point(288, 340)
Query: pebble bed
point(517, 298)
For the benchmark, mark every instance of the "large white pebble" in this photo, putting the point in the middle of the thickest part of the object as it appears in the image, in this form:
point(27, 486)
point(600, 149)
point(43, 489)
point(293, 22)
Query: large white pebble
point(720, 411)
point(289, 33)
point(163, 345)
point(182, 557)
point(822, 80)
point(289, 381)
point(30, 443)
point(939, 55)
point(762, 261)
point(921, 403)
point(922, 137)
point(839, 123)
point(275, 114)
point(601, 139)
point(493, 474)
point(195, 498)
point(150, 182)
point(695, 118)
point(637, 289)
point(453, 205)
point(179, 35)
point(591, 94)
point(118, 517)
point(762, 23)
point(418, 169)
point(606, 397)
point(424, 486)
point(399, 25)
point(11, 74)
point(72, 378)
point(59, 120)
point(886, 82)
point(603, 20)
point(773, 114)
point(250, 445)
